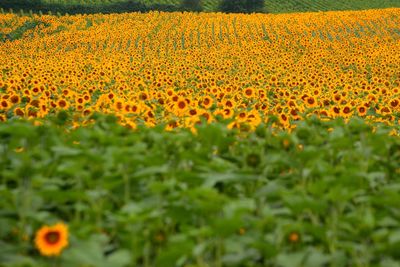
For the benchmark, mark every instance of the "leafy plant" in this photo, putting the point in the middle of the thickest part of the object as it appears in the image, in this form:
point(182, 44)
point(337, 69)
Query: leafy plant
point(325, 194)
point(20, 31)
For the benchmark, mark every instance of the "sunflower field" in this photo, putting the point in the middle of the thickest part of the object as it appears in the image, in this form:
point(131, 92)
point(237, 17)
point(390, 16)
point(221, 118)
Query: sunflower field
point(200, 139)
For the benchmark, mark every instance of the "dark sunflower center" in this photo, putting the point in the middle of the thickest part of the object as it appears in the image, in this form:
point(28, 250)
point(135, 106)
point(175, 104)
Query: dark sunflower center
point(52, 237)
point(181, 105)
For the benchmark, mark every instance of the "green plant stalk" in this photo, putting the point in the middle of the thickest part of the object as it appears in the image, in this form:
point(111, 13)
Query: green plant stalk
point(78, 216)
point(127, 193)
point(218, 253)
point(146, 251)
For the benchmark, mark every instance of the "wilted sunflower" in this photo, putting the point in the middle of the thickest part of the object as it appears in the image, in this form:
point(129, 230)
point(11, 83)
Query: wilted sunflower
point(51, 240)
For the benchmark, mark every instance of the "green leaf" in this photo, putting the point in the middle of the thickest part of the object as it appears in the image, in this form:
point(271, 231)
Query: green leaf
point(316, 258)
point(177, 250)
point(120, 258)
point(86, 252)
point(291, 259)
point(394, 236)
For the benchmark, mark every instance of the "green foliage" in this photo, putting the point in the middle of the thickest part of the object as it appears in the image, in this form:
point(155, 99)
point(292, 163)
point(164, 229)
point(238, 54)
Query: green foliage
point(192, 5)
point(214, 198)
point(242, 6)
point(119, 6)
point(20, 31)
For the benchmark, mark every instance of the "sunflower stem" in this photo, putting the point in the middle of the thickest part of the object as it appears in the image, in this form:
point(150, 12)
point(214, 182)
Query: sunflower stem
point(147, 255)
point(218, 256)
point(127, 192)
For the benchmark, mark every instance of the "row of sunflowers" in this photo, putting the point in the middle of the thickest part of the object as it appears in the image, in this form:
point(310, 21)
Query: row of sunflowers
point(181, 69)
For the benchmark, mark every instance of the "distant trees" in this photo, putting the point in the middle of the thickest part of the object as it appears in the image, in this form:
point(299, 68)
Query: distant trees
point(118, 6)
point(191, 5)
point(242, 6)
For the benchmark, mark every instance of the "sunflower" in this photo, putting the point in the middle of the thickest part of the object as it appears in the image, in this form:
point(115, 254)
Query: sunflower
point(207, 102)
point(311, 102)
point(87, 112)
point(4, 104)
point(394, 103)
point(35, 90)
point(229, 103)
point(15, 99)
point(335, 111)
point(347, 111)
point(118, 105)
point(284, 120)
point(227, 113)
point(51, 240)
point(273, 80)
point(62, 104)
point(294, 237)
point(19, 112)
point(171, 125)
point(193, 112)
point(362, 111)
point(249, 92)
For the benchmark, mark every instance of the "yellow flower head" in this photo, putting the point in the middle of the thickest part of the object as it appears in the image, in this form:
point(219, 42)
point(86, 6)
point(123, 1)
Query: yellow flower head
point(51, 240)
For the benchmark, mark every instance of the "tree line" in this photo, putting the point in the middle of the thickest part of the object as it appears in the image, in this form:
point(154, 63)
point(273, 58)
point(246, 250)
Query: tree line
point(228, 6)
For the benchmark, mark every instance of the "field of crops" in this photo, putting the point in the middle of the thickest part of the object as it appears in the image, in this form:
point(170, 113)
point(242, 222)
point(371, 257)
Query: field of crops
point(200, 139)
point(271, 6)
point(180, 69)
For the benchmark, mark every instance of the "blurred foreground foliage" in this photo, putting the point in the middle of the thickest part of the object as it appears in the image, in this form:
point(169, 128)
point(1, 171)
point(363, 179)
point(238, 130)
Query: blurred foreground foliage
point(326, 194)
